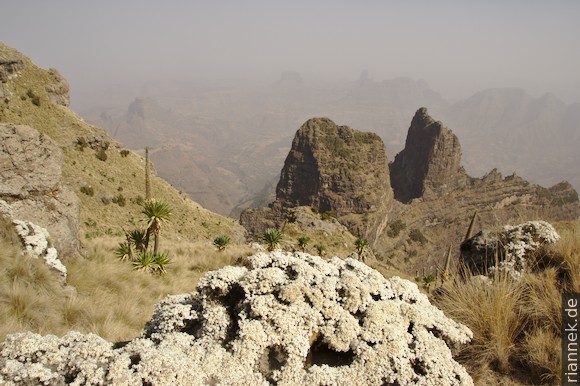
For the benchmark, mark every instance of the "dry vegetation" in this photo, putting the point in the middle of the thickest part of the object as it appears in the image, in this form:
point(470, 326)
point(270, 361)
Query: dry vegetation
point(121, 173)
point(516, 324)
point(104, 295)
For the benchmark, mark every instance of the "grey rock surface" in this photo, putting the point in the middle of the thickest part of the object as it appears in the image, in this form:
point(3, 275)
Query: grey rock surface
point(30, 181)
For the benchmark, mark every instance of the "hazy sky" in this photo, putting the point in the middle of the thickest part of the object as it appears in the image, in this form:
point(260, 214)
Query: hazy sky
point(458, 47)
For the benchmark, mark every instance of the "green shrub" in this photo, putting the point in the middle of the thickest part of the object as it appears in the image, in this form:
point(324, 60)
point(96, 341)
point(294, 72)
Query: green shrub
point(88, 190)
point(303, 242)
point(33, 97)
point(162, 259)
point(123, 251)
point(82, 143)
point(328, 215)
point(145, 261)
point(221, 242)
point(321, 249)
point(124, 153)
point(395, 228)
point(119, 200)
point(272, 238)
point(361, 244)
point(417, 236)
point(101, 154)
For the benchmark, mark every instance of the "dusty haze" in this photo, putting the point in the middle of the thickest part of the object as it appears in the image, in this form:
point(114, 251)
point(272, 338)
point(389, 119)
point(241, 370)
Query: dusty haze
point(458, 47)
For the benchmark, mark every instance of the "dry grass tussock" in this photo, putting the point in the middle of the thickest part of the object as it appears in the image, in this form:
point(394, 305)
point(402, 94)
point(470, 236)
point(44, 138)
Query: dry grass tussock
point(103, 295)
point(516, 324)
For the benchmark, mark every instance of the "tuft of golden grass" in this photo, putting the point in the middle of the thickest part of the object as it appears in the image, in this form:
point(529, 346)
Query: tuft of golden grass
point(516, 324)
point(103, 294)
point(492, 313)
point(542, 351)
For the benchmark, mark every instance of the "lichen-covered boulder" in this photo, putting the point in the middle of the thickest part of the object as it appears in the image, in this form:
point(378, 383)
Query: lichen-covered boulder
point(287, 319)
point(510, 248)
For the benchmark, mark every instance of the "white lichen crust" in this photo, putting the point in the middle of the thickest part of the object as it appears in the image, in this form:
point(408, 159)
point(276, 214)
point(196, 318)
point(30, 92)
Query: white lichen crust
point(287, 319)
point(519, 243)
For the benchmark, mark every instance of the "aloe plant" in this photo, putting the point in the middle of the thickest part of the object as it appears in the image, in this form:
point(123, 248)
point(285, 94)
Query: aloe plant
point(123, 251)
point(156, 212)
point(145, 261)
point(303, 242)
point(321, 249)
point(427, 281)
point(272, 238)
point(221, 242)
point(161, 261)
point(361, 244)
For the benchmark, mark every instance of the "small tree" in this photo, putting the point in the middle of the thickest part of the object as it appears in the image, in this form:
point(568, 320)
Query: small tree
point(272, 238)
point(321, 249)
point(221, 242)
point(157, 212)
point(138, 238)
point(361, 244)
point(303, 242)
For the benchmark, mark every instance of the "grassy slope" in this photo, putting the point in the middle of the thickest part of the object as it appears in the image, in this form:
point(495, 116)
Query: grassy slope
point(105, 296)
point(190, 221)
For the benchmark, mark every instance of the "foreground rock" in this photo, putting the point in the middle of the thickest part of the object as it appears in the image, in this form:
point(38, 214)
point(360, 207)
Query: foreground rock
point(288, 319)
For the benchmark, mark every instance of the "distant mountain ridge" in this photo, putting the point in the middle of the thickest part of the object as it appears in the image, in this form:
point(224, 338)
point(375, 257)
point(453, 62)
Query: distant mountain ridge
point(411, 210)
point(234, 140)
point(536, 137)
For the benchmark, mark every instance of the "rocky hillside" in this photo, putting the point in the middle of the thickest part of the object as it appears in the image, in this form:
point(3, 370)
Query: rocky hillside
point(441, 198)
point(341, 171)
point(52, 160)
point(233, 139)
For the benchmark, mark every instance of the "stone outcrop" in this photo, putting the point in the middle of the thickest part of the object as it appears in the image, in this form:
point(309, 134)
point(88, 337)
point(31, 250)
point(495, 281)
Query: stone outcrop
point(11, 62)
point(58, 89)
point(35, 240)
point(430, 164)
point(30, 181)
point(508, 250)
point(287, 319)
point(338, 170)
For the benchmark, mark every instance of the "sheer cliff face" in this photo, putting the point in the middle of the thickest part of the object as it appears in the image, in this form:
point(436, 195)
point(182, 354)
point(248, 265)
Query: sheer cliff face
point(430, 164)
point(334, 168)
